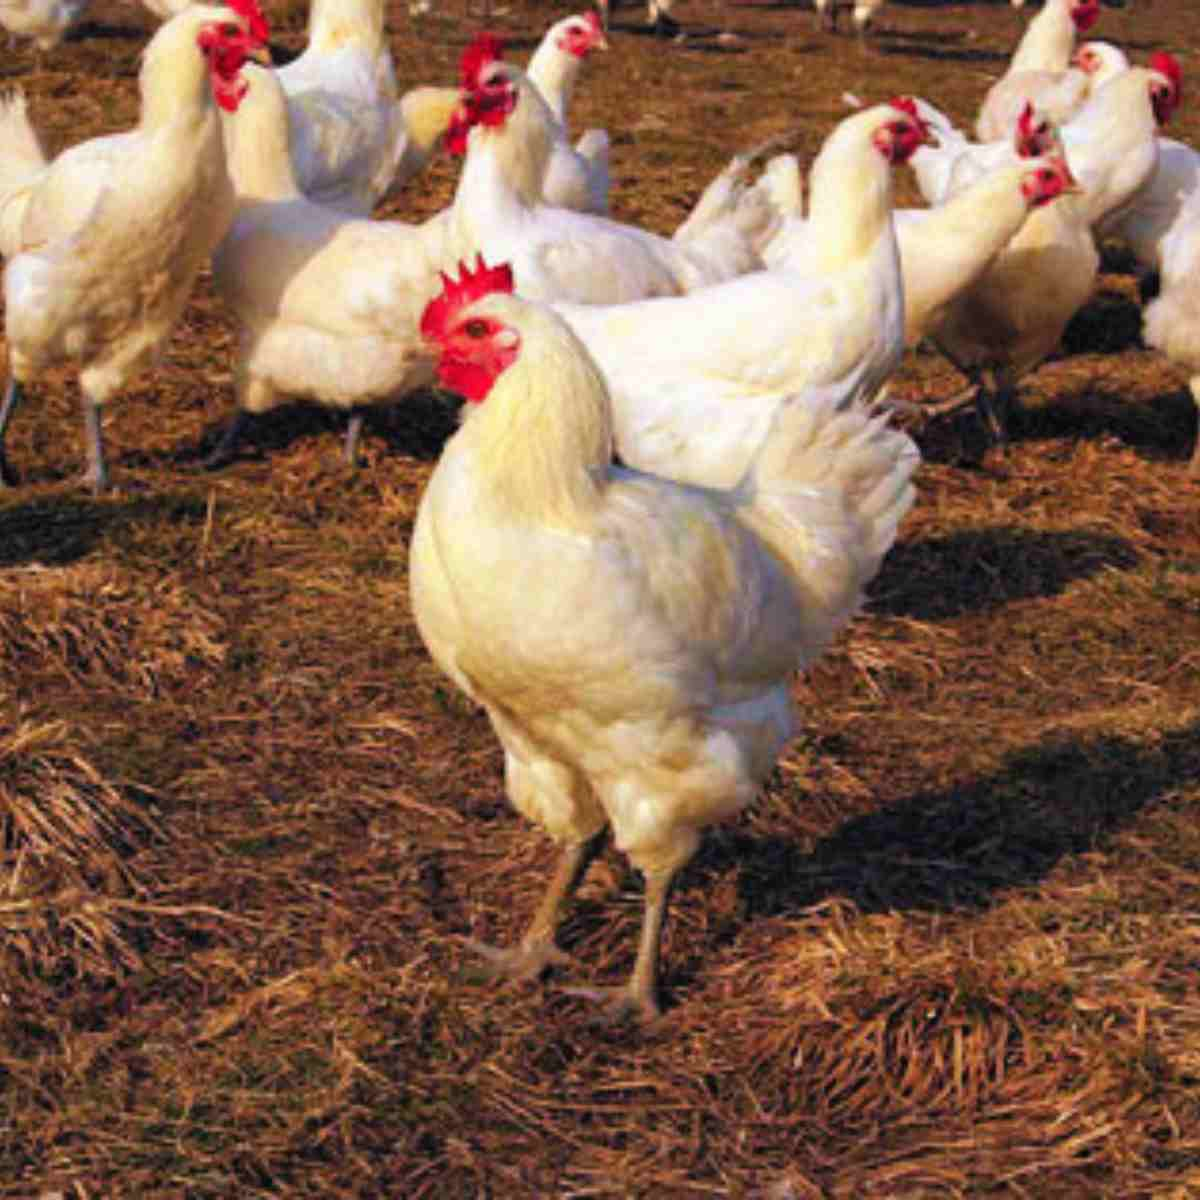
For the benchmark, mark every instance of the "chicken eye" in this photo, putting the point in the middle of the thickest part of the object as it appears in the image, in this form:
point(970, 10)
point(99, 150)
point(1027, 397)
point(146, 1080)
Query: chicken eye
point(476, 328)
point(230, 30)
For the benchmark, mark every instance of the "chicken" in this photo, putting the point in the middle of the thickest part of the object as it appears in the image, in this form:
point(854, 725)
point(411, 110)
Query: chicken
point(954, 161)
point(632, 640)
point(1057, 95)
point(825, 14)
point(507, 132)
point(577, 176)
point(944, 250)
point(328, 305)
point(1171, 323)
point(353, 138)
point(45, 21)
point(1112, 143)
point(104, 242)
point(1046, 48)
point(696, 381)
point(556, 63)
point(1013, 316)
point(1152, 217)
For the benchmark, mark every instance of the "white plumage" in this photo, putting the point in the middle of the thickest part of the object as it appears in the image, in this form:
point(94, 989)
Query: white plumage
point(327, 304)
point(696, 380)
point(103, 244)
point(633, 640)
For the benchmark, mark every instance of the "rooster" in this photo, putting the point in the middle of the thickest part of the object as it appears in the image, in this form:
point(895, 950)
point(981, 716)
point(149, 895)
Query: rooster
point(354, 138)
point(637, 667)
point(328, 305)
point(104, 242)
point(696, 380)
point(507, 133)
point(1046, 47)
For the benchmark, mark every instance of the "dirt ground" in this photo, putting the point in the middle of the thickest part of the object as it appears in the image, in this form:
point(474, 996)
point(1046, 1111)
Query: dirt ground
point(248, 826)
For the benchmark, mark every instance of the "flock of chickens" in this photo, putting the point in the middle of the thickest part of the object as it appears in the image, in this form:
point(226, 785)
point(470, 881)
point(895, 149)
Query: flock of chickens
point(684, 439)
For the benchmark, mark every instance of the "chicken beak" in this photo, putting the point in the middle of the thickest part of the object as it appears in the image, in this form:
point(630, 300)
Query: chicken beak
point(261, 55)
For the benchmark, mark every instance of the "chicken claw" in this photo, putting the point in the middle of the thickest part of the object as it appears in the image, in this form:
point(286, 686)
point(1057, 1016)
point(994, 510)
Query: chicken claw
point(525, 961)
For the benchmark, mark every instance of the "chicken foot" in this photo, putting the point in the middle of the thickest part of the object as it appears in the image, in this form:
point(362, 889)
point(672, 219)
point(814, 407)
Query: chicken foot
point(536, 950)
point(13, 394)
point(638, 998)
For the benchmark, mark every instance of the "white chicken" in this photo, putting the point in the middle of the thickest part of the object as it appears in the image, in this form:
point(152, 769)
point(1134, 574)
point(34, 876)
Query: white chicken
point(353, 137)
point(944, 250)
point(577, 176)
point(1057, 95)
point(45, 21)
point(637, 666)
point(696, 380)
point(1047, 46)
point(862, 14)
point(1014, 315)
point(498, 210)
point(1171, 323)
point(327, 305)
point(104, 242)
point(953, 161)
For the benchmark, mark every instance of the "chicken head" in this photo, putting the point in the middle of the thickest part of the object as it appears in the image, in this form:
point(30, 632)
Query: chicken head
point(228, 45)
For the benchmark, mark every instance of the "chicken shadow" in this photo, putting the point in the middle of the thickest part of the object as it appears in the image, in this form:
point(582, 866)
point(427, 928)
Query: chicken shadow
point(417, 427)
point(1162, 429)
point(57, 531)
point(990, 568)
point(953, 850)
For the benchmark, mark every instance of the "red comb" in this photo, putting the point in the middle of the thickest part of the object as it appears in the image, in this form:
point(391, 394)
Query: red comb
point(457, 294)
point(1025, 120)
point(255, 21)
point(1168, 65)
point(592, 17)
point(906, 104)
point(484, 49)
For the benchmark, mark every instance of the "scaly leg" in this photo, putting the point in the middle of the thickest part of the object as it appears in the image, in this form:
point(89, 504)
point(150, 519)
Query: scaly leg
point(96, 475)
point(225, 450)
point(353, 433)
point(13, 394)
point(993, 404)
point(536, 950)
point(638, 998)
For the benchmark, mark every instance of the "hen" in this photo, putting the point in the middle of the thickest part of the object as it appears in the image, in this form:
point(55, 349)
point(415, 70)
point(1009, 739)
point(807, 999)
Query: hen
point(696, 380)
point(577, 176)
point(103, 244)
point(1047, 46)
point(45, 21)
point(944, 250)
point(328, 305)
point(1057, 95)
point(1171, 323)
point(1013, 316)
point(353, 137)
point(637, 667)
point(954, 162)
point(507, 132)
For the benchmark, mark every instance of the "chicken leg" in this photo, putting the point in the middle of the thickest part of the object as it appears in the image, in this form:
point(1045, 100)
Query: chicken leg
point(96, 475)
point(536, 950)
point(13, 394)
point(638, 998)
